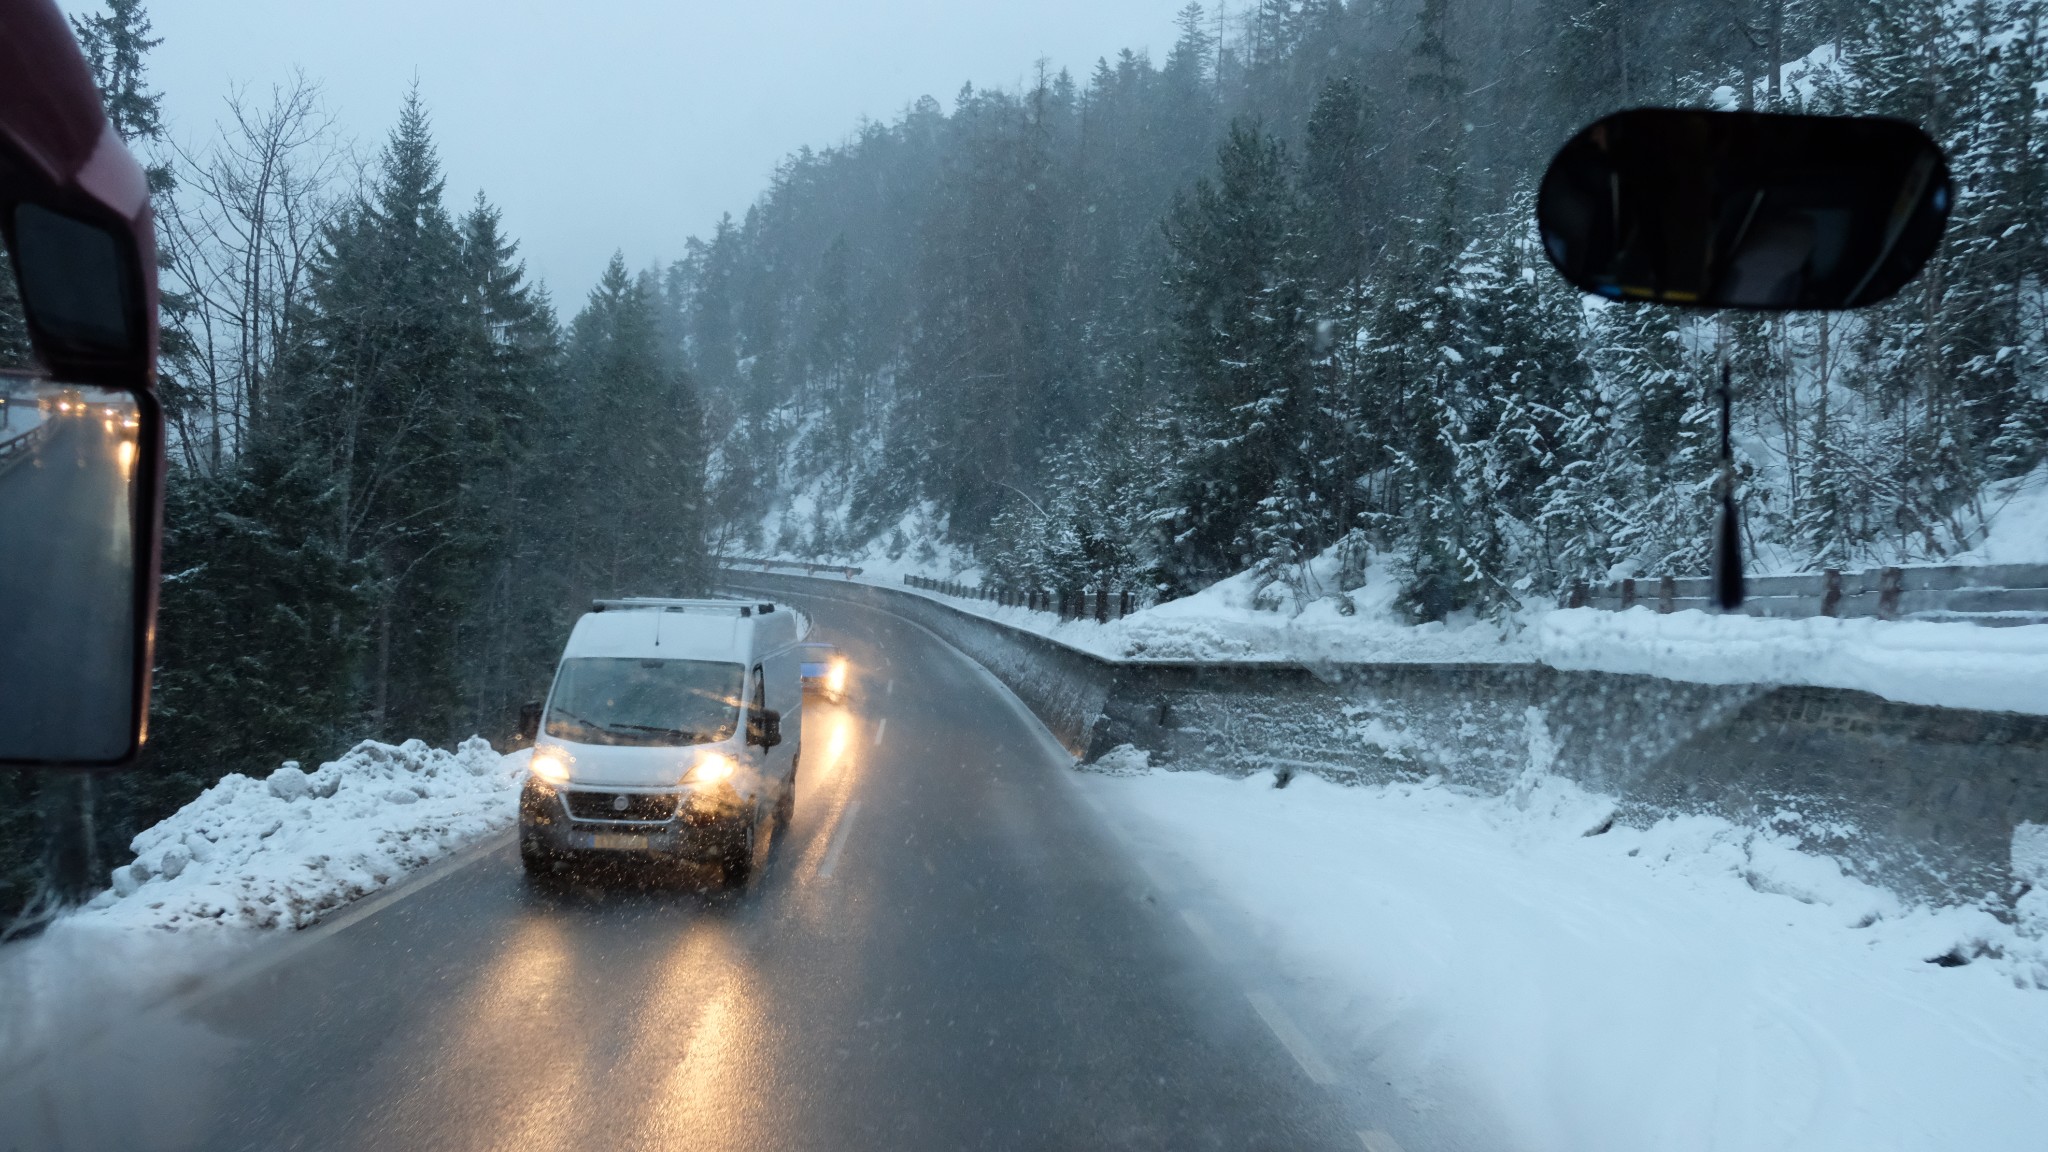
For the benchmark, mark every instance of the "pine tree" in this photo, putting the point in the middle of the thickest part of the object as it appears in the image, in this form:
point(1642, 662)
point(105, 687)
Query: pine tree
point(1241, 345)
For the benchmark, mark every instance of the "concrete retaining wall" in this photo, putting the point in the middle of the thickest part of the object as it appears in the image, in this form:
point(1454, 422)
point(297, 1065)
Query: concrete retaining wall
point(1923, 799)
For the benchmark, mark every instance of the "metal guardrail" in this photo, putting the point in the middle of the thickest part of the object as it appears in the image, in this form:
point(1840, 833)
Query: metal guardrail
point(808, 567)
point(1099, 604)
point(1990, 594)
point(15, 448)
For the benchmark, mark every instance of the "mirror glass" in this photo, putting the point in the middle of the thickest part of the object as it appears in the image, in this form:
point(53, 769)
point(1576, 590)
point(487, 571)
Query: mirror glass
point(68, 490)
point(1743, 209)
point(73, 279)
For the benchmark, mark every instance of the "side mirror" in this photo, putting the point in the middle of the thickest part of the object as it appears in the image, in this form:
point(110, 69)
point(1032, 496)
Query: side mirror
point(529, 721)
point(81, 433)
point(1744, 209)
point(765, 728)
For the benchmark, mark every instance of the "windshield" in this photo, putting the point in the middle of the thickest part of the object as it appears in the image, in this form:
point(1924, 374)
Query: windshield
point(644, 703)
point(1239, 652)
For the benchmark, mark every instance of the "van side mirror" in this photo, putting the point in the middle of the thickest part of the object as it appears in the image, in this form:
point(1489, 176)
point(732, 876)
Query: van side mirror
point(765, 728)
point(529, 721)
point(81, 431)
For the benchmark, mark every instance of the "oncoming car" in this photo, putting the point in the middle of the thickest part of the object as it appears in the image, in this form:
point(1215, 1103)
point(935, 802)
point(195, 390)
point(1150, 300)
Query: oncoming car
point(825, 671)
point(662, 738)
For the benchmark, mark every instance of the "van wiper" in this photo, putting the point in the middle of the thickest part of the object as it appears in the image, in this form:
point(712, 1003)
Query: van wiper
point(678, 733)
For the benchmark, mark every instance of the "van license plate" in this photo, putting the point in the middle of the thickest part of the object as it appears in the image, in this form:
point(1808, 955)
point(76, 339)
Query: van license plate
point(616, 842)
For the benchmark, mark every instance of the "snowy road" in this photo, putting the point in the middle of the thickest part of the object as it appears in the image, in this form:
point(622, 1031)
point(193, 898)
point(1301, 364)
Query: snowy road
point(951, 950)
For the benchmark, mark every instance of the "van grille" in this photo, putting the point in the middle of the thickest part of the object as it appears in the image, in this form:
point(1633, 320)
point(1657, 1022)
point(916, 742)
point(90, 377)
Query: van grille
point(649, 807)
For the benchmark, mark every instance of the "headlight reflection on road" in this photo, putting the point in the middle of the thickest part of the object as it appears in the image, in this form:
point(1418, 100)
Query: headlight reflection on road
point(837, 741)
point(126, 454)
point(504, 1030)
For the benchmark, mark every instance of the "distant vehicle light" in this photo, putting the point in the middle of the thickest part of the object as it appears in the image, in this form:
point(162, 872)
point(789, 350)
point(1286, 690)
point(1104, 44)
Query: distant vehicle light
point(713, 767)
point(835, 680)
point(550, 767)
point(108, 423)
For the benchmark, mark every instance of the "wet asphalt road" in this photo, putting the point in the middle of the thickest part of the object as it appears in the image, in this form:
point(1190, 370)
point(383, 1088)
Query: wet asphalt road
point(947, 951)
point(65, 589)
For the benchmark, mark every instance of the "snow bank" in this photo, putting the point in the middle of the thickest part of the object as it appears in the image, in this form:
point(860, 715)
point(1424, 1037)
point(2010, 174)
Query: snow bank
point(279, 852)
point(1692, 984)
point(1956, 665)
point(1947, 665)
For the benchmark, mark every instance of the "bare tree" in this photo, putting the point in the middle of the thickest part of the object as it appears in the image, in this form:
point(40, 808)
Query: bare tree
point(240, 237)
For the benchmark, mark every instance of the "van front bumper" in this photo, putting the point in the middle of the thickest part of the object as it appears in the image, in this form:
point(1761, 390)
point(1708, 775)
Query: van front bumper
point(705, 826)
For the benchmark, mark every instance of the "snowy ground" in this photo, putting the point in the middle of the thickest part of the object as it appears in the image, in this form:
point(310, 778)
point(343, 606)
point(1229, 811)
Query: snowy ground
point(246, 856)
point(1690, 985)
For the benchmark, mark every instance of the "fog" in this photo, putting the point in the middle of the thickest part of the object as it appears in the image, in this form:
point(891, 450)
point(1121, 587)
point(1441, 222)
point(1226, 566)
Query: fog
point(623, 123)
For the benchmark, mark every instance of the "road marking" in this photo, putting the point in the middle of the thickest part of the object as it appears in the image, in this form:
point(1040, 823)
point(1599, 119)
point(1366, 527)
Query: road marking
point(1203, 932)
point(1293, 1039)
point(1378, 1141)
point(890, 690)
point(879, 729)
point(833, 849)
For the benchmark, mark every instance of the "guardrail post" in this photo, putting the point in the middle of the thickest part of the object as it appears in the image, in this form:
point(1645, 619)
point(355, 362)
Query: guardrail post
point(1890, 583)
point(1101, 604)
point(1628, 594)
point(1831, 592)
point(1123, 604)
point(1667, 594)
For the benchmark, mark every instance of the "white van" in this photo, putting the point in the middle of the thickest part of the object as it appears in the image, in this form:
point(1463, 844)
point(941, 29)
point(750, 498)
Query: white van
point(663, 736)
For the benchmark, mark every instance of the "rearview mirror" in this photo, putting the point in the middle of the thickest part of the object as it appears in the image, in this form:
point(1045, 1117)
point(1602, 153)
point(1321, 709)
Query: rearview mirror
point(1743, 209)
point(81, 432)
point(76, 514)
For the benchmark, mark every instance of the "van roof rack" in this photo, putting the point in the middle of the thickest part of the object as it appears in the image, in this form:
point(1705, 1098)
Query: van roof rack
point(660, 604)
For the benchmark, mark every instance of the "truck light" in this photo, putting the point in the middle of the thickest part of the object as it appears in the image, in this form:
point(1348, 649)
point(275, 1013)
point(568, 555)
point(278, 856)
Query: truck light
point(836, 679)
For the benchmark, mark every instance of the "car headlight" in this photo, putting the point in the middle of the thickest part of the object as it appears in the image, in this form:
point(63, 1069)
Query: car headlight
point(549, 767)
point(836, 679)
point(711, 768)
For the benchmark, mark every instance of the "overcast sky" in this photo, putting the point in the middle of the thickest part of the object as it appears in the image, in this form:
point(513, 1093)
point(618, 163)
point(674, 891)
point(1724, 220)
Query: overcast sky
point(629, 124)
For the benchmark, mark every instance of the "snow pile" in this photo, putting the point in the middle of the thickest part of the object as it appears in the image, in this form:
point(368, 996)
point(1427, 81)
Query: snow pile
point(279, 852)
point(1946, 665)
point(1692, 984)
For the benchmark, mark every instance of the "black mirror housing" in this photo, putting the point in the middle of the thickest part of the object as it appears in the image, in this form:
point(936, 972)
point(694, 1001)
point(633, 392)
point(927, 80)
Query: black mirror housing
point(764, 728)
point(1744, 209)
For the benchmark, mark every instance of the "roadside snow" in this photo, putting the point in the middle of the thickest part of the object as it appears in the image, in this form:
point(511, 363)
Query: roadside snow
point(280, 852)
point(1946, 665)
point(1693, 984)
point(1954, 665)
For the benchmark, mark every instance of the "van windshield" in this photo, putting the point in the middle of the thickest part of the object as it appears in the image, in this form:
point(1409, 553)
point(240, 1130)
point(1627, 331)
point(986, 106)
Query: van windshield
point(649, 703)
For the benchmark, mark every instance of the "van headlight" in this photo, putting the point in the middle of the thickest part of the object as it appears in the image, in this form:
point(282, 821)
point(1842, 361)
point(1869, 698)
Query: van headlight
point(711, 768)
point(549, 767)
